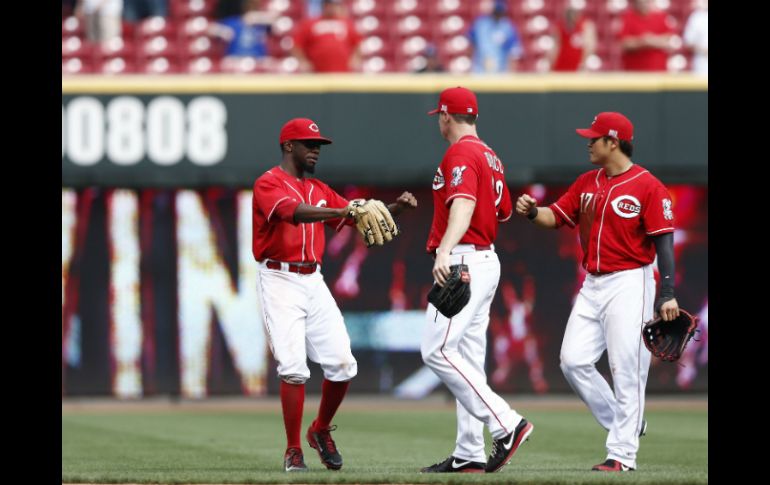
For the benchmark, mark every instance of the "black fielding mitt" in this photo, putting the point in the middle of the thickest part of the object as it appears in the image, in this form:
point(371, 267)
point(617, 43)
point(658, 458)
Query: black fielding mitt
point(668, 339)
point(455, 294)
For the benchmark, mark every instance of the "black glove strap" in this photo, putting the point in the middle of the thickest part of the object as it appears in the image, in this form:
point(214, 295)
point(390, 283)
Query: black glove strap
point(532, 214)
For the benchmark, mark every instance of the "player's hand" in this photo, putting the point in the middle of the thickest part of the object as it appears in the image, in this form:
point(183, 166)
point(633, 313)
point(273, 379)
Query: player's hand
point(669, 310)
point(406, 201)
point(441, 267)
point(524, 204)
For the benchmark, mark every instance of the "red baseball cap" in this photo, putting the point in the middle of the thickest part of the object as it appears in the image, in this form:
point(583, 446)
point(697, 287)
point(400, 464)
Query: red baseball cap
point(609, 124)
point(302, 129)
point(457, 100)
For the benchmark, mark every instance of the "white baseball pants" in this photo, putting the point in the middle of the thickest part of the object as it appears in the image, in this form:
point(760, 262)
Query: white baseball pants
point(609, 313)
point(303, 320)
point(455, 350)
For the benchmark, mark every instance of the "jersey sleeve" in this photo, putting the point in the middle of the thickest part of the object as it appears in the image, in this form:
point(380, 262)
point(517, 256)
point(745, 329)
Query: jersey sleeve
point(335, 201)
point(567, 208)
point(354, 38)
point(462, 178)
point(301, 36)
point(657, 211)
point(628, 28)
point(273, 200)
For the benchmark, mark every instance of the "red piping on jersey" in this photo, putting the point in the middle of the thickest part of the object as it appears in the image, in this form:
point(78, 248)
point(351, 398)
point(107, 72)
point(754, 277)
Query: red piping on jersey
point(469, 196)
point(446, 336)
point(660, 230)
point(274, 207)
point(604, 209)
point(639, 354)
point(571, 224)
point(312, 226)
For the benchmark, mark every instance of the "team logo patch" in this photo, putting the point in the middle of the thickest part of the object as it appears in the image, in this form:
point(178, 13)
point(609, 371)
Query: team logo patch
point(626, 206)
point(457, 175)
point(438, 180)
point(667, 214)
point(313, 127)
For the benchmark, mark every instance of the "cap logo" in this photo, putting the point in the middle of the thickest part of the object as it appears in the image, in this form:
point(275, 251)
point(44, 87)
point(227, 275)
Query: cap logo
point(444, 107)
point(613, 133)
point(313, 127)
point(470, 110)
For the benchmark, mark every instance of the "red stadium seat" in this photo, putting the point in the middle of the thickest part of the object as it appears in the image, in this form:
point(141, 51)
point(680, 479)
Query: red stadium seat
point(194, 27)
point(190, 8)
point(76, 65)
point(72, 26)
point(200, 65)
point(74, 46)
point(117, 47)
point(158, 46)
point(158, 65)
point(154, 26)
point(115, 65)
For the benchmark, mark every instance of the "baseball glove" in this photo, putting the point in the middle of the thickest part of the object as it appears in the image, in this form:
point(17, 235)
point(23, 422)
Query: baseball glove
point(373, 221)
point(451, 298)
point(668, 339)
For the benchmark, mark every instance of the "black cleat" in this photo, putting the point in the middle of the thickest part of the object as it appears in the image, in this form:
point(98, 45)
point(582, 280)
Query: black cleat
point(455, 465)
point(504, 448)
point(611, 466)
point(322, 441)
point(293, 461)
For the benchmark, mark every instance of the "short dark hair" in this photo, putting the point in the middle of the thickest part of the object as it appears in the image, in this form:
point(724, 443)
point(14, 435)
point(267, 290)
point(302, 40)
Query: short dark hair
point(625, 146)
point(463, 118)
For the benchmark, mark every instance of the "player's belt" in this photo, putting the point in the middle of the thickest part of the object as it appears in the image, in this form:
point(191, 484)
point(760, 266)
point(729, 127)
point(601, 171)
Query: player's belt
point(307, 268)
point(475, 247)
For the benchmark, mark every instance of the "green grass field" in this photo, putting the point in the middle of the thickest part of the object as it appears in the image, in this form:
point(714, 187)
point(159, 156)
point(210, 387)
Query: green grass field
point(220, 446)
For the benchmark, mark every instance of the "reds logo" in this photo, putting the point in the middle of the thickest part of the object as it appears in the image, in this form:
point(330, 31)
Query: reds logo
point(626, 206)
point(313, 127)
point(457, 175)
point(438, 180)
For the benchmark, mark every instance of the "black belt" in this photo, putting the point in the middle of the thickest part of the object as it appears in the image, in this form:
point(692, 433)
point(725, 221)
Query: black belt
point(305, 268)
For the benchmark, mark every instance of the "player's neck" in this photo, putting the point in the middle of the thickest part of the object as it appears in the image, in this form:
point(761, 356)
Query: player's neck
point(617, 167)
point(461, 130)
point(291, 169)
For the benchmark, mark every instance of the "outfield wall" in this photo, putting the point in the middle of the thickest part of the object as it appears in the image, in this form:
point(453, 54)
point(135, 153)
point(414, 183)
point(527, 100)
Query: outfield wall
point(157, 276)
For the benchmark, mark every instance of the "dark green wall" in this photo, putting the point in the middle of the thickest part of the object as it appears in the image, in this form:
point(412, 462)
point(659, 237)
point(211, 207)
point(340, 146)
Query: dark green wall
point(387, 138)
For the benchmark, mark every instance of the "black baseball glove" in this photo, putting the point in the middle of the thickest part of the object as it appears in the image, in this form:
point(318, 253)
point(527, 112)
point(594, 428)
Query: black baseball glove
point(451, 298)
point(668, 339)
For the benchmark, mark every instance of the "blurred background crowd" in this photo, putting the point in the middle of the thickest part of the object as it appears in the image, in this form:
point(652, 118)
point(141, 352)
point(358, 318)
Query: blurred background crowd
point(373, 36)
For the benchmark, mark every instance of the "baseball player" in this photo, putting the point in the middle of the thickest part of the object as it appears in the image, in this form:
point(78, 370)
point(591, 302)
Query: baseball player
point(300, 314)
point(470, 198)
point(625, 218)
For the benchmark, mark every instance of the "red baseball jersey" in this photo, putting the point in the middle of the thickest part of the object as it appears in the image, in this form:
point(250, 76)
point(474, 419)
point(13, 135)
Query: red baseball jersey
point(635, 25)
point(328, 43)
point(471, 170)
point(617, 217)
point(571, 42)
point(274, 234)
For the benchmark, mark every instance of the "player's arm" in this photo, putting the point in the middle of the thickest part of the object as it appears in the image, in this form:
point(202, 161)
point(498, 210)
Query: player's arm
point(460, 214)
point(542, 216)
point(310, 213)
point(666, 305)
point(404, 201)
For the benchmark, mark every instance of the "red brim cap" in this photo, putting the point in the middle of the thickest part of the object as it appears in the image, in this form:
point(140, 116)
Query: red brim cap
point(435, 111)
point(588, 133)
point(324, 141)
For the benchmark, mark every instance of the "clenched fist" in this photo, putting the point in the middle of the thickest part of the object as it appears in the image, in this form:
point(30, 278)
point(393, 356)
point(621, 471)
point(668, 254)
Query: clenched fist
point(524, 204)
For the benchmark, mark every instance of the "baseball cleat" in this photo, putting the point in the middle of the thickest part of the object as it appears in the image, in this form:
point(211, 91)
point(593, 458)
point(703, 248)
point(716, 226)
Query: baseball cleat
point(643, 431)
point(455, 465)
point(322, 442)
point(293, 461)
point(611, 466)
point(504, 448)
